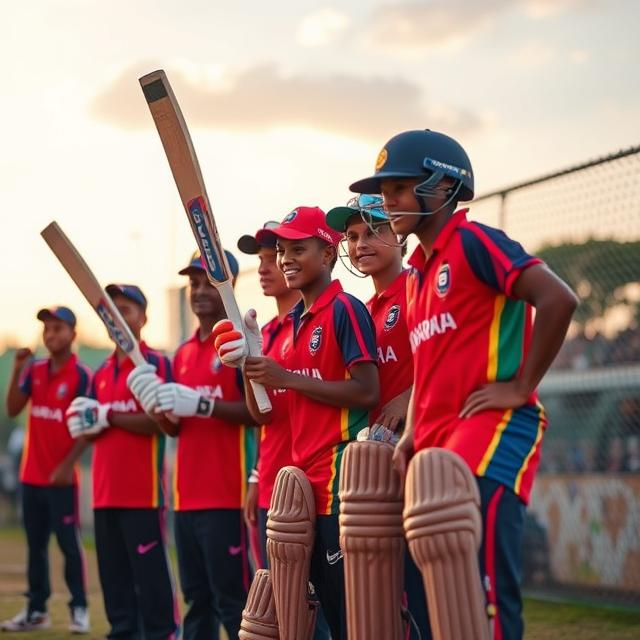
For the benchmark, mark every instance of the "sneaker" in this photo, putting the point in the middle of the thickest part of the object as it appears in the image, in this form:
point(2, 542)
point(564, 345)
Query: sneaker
point(80, 620)
point(26, 621)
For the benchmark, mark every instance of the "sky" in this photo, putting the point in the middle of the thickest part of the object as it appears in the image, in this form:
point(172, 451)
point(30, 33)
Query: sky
point(287, 103)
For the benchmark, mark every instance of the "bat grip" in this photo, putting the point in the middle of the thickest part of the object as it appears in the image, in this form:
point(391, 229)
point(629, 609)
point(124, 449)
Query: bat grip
point(233, 313)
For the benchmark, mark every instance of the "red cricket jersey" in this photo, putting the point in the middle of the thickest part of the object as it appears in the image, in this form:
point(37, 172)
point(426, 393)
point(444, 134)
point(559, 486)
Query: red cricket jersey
point(275, 437)
point(465, 331)
point(332, 336)
point(128, 468)
point(47, 442)
point(213, 456)
point(395, 363)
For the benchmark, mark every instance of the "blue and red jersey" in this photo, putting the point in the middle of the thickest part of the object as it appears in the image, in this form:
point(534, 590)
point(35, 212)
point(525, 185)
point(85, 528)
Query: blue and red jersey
point(213, 456)
point(466, 330)
point(128, 468)
point(395, 363)
point(47, 442)
point(333, 335)
point(275, 437)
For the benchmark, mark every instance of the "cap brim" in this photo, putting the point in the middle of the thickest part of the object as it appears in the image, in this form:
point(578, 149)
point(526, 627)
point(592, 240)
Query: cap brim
point(290, 234)
point(187, 271)
point(338, 216)
point(47, 314)
point(249, 245)
point(115, 290)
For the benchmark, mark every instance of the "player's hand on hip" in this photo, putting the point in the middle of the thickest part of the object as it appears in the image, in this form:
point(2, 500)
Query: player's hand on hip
point(495, 395)
point(182, 401)
point(86, 417)
point(143, 382)
point(402, 454)
point(267, 372)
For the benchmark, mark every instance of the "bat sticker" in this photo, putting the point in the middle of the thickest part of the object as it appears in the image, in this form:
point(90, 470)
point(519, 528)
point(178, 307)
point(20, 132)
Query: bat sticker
point(119, 337)
point(196, 207)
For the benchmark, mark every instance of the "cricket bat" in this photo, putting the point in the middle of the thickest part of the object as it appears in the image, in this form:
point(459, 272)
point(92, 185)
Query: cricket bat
point(184, 165)
point(97, 297)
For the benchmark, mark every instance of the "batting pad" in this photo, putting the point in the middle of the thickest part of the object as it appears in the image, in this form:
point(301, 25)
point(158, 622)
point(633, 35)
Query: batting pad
point(259, 616)
point(443, 526)
point(290, 537)
point(372, 541)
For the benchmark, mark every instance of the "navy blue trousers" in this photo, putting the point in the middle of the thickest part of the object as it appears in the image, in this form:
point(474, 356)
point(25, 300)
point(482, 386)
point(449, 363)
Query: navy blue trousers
point(136, 582)
point(47, 510)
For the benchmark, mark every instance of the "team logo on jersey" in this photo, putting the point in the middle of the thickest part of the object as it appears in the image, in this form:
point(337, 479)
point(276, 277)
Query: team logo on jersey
point(381, 160)
point(290, 216)
point(443, 279)
point(316, 340)
point(61, 391)
point(392, 317)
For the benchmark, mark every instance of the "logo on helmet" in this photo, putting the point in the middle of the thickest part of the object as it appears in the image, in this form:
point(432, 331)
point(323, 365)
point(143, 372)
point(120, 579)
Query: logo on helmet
point(316, 340)
point(382, 159)
point(443, 280)
point(290, 217)
point(392, 317)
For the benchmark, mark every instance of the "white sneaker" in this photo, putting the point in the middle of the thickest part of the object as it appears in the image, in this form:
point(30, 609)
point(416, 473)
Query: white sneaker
point(80, 620)
point(26, 621)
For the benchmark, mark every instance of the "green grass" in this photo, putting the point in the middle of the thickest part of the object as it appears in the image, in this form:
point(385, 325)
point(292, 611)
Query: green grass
point(544, 620)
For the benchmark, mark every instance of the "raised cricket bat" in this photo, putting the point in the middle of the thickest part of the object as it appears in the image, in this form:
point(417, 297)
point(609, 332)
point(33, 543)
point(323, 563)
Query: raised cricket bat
point(183, 161)
point(97, 297)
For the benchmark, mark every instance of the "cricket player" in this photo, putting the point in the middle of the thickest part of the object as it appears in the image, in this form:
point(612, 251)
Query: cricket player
point(128, 488)
point(48, 472)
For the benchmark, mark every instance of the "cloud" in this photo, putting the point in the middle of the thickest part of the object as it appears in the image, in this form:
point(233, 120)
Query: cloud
point(449, 24)
point(425, 25)
point(532, 55)
point(261, 98)
point(321, 28)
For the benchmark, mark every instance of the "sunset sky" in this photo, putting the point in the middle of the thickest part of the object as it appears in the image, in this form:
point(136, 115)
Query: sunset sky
point(287, 103)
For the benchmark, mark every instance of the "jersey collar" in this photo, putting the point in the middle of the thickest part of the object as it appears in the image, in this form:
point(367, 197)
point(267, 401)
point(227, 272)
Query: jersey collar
point(323, 300)
point(66, 367)
point(418, 258)
point(397, 285)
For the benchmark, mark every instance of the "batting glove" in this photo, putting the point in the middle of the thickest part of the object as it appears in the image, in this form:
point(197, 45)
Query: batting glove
point(86, 417)
point(232, 345)
point(183, 401)
point(143, 382)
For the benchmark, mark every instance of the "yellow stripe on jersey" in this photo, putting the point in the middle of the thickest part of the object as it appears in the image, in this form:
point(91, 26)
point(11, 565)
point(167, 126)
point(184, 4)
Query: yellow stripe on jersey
point(176, 491)
point(495, 441)
point(494, 338)
point(525, 464)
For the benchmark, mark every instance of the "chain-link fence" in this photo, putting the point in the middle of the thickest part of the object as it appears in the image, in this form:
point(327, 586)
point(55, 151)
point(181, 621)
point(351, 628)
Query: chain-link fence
point(583, 525)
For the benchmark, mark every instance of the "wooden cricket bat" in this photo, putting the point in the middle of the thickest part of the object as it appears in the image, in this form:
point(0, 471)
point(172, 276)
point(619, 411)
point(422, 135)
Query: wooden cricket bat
point(97, 297)
point(183, 161)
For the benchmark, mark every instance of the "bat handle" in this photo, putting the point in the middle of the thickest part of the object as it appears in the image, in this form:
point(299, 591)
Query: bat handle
point(233, 313)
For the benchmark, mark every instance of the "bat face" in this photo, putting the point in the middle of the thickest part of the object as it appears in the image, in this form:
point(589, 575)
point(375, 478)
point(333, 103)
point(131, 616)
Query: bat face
point(118, 335)
point(209, 249)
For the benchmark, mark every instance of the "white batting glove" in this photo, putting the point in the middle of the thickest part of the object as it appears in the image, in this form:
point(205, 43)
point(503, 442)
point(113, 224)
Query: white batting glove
point(86, 417)
point(183, 401)
point(143, 382)
point(233, 345)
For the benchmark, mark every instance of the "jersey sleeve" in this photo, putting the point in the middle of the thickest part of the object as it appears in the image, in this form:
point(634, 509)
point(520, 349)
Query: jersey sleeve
point(25, 379)
point(354, 331)
point(495, 259)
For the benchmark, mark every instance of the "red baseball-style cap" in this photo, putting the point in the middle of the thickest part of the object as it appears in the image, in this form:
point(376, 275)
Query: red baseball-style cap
point(302, 223)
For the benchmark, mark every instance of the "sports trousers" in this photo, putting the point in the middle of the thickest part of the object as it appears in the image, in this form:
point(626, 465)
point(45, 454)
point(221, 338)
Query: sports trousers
point(46, 510)
point(135, 577)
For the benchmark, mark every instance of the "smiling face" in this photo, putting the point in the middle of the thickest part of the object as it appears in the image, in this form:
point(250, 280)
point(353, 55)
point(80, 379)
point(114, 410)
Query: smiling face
point(272, 280)
point(304, 261)
point(371, 252)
